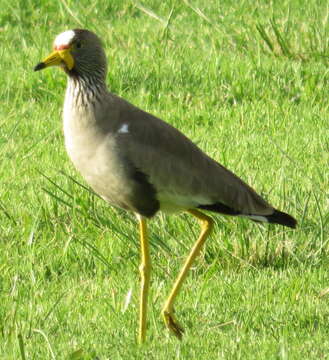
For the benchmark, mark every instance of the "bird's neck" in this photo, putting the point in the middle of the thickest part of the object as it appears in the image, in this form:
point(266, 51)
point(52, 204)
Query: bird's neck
point(83, 100)
point(83, 92)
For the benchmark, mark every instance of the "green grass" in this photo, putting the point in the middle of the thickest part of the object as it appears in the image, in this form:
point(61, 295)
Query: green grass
point(248, 82)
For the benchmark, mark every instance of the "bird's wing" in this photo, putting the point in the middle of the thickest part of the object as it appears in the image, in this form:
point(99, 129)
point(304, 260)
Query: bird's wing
point(177, 168)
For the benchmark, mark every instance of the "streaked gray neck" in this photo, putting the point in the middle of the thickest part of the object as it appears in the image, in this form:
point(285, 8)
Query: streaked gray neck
point(84, 91)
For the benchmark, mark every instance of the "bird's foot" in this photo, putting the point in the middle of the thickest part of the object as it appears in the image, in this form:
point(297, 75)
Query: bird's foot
point(172, 324)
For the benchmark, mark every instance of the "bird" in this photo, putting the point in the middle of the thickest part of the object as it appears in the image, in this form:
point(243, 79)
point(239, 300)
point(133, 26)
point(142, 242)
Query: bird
point(140, 163)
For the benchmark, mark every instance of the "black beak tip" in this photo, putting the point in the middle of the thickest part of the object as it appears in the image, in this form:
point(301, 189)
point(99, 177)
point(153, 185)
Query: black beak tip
point(40, 66)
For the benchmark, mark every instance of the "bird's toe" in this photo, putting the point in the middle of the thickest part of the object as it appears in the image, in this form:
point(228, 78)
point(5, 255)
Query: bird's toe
point(172, 324)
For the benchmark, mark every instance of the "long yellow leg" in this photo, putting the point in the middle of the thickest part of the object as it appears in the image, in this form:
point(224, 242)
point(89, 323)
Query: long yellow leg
point(145, 271)
point(167, 312)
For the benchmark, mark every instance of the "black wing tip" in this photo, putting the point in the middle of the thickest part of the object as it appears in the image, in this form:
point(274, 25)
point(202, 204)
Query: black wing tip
point(279, 217)
point(220, 208)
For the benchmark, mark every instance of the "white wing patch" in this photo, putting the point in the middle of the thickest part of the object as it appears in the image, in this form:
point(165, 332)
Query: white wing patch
point(64, 38)
point(256, 217)
point(123, 129)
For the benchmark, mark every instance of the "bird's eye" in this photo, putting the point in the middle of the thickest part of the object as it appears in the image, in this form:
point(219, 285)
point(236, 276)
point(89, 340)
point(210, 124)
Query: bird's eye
point(78, 45)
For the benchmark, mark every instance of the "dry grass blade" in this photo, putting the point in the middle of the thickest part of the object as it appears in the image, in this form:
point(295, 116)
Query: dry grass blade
point(151, 13)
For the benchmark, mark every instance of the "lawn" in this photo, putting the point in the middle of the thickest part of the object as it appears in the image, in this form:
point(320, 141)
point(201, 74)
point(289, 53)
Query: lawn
point(248, 82)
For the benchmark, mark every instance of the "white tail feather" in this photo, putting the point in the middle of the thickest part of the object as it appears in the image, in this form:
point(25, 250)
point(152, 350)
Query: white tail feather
point(257, 218)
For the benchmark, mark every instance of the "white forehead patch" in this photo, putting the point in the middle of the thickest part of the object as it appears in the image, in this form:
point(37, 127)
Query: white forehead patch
point(64, 38)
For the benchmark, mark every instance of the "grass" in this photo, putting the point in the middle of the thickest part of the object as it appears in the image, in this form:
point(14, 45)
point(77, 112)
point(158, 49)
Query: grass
point(248, 82)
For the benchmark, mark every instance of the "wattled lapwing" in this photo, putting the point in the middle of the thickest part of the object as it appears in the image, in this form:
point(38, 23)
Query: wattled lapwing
point(140, 163)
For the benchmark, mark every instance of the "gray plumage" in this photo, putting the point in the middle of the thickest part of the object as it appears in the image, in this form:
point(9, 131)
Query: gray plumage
point(138, 162)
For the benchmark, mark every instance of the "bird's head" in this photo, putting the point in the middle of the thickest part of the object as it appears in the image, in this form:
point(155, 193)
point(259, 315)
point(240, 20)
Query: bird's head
point(79, 53)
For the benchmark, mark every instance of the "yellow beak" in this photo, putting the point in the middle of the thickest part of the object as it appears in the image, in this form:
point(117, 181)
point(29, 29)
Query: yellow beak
point(57, 58)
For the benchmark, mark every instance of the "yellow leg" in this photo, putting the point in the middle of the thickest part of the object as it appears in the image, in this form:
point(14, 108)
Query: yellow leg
point(167, 312)
point(145, 271)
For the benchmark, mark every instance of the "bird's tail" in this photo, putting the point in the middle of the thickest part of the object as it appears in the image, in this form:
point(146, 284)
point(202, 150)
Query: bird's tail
point(278, 217)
